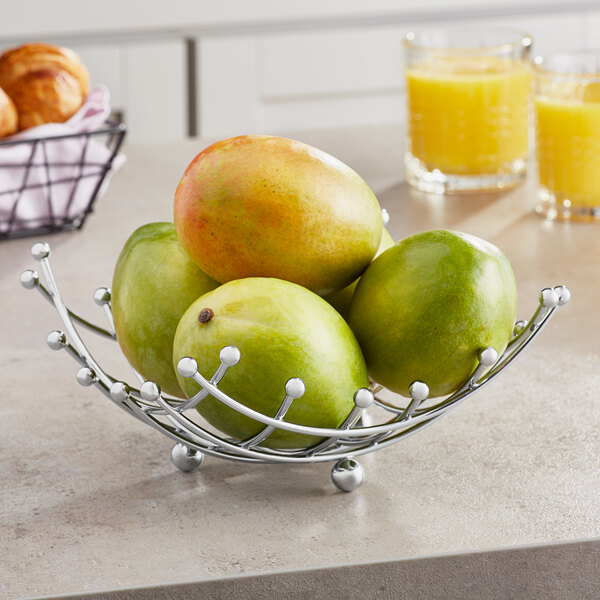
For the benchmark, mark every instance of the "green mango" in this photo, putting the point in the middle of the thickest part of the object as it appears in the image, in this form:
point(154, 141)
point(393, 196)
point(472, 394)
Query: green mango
point(282, 331)
point(341, 300)
point(153, 284)
point(425, 307)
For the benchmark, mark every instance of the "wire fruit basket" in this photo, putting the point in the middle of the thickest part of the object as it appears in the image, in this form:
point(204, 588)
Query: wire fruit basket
point(54, 194)
point(353, 438)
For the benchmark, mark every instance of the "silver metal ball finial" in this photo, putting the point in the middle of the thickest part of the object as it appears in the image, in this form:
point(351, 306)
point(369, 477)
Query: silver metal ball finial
point(488, 356)
point(29, 279)
point(40, 250)
point(102, 296)
point(519, 326)
point(363, 398)
point(549, 298)
point(418, 391)
point(119, 391)
point(187, 367)
point(295, 387)
point(385, 216)
point(56, 340)
point(85, 376)
point(564, 294)
point(186, 459)
point(149, 391)
point(347, 474)
point(229, 356)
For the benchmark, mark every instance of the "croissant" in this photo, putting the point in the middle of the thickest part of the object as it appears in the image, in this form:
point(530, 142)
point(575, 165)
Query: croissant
point(9, 119)
point(48, 84)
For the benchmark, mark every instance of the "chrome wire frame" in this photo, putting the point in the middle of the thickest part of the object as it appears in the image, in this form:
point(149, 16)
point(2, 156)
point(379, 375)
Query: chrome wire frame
point(167, 414)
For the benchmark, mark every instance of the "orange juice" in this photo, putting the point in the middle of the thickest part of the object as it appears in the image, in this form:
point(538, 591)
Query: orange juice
point(468, 115)
point(568, 146)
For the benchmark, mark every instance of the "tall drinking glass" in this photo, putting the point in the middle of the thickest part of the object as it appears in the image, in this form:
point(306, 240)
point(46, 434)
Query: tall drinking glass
point(468, 96)
point(567, 108)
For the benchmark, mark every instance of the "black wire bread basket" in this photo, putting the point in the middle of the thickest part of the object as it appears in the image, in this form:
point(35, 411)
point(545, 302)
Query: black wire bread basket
point(54, 181)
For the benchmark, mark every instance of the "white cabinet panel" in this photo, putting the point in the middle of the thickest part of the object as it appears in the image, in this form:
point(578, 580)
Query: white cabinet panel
point(147, 82)
point(328, 113)
point(155, 91)
point(592, 33)
point(105, 65)
point(330, 62)
point(550, 33)
point(228, 102)
point(277, 82)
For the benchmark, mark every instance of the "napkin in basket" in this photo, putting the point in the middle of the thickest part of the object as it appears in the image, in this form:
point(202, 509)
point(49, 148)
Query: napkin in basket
point(46, 182)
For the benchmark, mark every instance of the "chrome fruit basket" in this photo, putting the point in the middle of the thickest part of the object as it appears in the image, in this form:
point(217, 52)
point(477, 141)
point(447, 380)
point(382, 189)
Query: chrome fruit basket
point(173, 417)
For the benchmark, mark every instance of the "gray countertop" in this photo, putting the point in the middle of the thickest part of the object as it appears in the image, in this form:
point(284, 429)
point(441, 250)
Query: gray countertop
point(90, 501)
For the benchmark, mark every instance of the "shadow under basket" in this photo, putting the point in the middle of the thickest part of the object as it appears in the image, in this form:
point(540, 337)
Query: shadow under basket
point(49, 184)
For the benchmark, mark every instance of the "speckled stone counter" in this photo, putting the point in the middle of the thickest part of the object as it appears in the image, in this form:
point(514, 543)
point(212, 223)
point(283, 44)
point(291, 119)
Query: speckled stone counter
point(90, 502)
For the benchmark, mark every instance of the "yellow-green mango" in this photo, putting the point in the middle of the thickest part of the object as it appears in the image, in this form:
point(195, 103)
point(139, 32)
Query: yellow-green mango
point(153, 284)
point(282, 331)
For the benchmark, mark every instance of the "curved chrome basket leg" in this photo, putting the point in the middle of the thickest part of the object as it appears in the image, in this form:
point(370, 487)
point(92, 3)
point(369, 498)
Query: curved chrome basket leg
point(185, 458)
point(347, 474)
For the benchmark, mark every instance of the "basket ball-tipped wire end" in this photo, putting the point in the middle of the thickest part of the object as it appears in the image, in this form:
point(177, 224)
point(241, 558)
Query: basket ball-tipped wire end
point(549, 298)
point(564, 294)
point(187, 367)
point(86, 376)
point(229, 356)
point(29, 279)
point(40, 250)
point(102, 296)
point(119, 391)
point(56, 340)
point(149, 391)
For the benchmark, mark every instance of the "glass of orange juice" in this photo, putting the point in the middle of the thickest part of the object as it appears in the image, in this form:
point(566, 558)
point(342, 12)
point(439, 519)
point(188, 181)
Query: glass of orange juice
point(567, 112)
point(468, 98)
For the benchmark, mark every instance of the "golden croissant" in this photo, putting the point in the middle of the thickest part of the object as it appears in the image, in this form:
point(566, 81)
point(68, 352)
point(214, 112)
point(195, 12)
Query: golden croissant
point(9, 120)
point(48, 84)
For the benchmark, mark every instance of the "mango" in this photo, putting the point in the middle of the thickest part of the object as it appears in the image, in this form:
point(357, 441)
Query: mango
point(263, 206)
point(282, 331)
point(425, 307)
point(341, 300)
point(153, 284)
